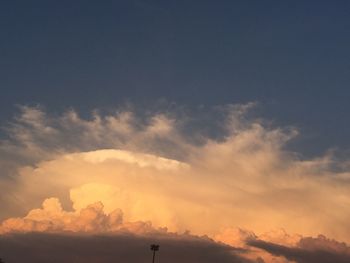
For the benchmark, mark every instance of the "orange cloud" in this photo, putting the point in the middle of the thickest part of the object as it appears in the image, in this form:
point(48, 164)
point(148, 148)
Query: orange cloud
point(154, 171)
point(91, 219)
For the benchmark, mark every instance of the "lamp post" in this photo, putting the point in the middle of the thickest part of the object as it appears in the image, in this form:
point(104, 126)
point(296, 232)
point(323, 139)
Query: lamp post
point(154, 248)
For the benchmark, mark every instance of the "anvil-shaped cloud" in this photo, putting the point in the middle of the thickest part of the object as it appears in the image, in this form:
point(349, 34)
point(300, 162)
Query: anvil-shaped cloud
point(119, 172)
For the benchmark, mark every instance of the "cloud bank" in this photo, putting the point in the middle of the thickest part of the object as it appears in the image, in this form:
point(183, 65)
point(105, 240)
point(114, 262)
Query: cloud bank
point(121, 171)
point(42, 248)
point(320, 249)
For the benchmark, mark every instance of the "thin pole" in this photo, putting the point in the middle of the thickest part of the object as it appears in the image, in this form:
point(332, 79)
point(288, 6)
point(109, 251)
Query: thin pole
point(154, 255)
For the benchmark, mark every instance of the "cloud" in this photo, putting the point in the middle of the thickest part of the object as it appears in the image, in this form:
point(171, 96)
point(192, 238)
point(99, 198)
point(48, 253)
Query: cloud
point(40, 248)
point(209, 176)
point(93, 235)
point(320, 249)
point(52, 218)
point(35, 135)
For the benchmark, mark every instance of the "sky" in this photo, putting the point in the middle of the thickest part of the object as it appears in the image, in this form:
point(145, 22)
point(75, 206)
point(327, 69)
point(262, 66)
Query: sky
point(290, 57)
point(211, 124)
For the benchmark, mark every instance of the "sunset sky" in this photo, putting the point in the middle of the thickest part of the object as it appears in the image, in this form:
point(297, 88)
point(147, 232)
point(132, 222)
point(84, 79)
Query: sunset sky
point(217, 129)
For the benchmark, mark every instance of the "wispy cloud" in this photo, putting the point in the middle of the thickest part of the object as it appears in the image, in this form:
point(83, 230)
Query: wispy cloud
point(167, 169)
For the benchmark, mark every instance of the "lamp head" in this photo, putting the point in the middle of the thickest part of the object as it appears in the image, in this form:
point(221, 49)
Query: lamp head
point(154, 247)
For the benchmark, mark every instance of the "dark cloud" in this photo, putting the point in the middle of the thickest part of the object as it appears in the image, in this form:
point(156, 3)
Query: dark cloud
point(307, 251)
point(40, 248)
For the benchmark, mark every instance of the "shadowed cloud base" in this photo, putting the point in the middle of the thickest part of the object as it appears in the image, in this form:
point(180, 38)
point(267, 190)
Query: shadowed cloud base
point(43, 248)
point(230, 177)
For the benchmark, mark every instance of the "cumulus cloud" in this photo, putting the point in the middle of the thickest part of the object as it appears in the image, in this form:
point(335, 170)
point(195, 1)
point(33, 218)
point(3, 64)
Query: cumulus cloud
point(173, 171)
point(176, 194)
point(52, 218)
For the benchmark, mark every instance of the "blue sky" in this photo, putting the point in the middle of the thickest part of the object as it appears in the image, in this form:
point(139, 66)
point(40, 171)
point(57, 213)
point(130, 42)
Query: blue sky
point(292, 57)
point(146, 117)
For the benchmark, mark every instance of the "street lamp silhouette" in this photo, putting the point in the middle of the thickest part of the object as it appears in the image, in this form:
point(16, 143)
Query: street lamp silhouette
point(154, 248)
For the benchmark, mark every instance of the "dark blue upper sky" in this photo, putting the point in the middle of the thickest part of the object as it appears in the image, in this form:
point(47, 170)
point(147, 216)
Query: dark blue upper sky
point(293, 57)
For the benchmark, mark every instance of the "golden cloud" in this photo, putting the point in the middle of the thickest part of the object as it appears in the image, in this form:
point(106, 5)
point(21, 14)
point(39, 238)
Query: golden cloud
point(153, 171)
